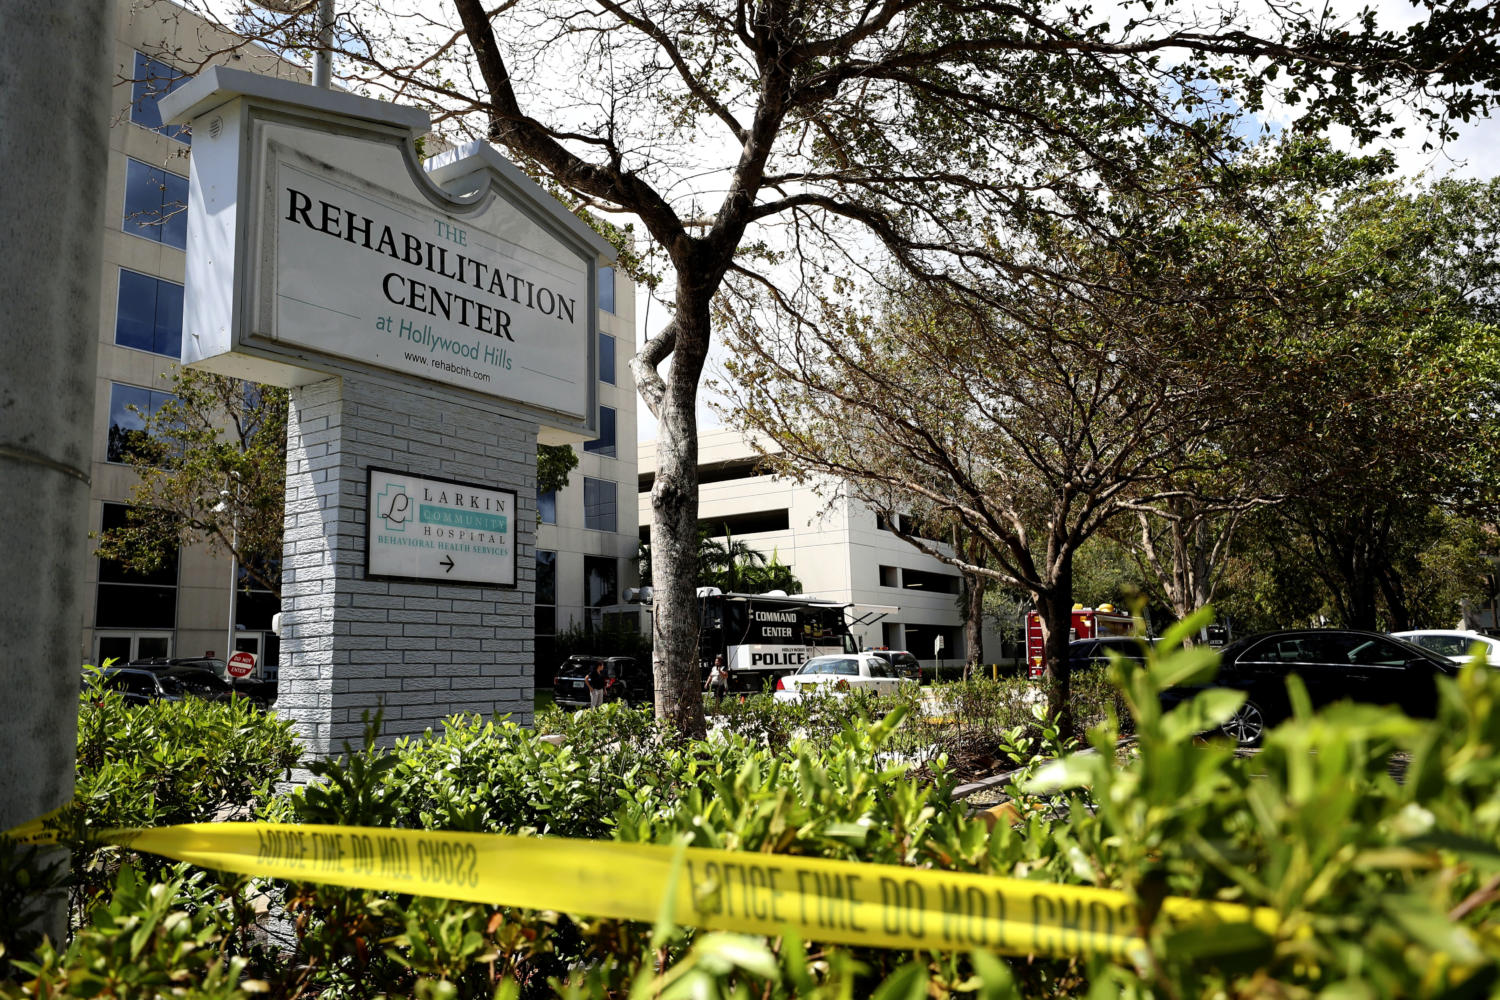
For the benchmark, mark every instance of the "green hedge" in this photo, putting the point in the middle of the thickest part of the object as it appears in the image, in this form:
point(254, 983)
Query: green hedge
point(1384, 888)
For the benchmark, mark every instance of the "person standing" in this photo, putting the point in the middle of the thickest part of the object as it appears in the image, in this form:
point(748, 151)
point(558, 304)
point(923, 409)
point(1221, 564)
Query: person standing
point(718, 679)
point(596, 682)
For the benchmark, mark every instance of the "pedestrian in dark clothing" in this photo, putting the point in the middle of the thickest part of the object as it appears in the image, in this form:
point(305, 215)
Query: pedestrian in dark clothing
point(596, 682)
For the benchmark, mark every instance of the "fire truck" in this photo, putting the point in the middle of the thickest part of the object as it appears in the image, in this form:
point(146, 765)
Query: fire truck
point(1088, 623)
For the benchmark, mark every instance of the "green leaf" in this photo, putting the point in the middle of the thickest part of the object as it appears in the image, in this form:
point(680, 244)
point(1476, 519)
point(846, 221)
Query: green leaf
point(1192, 625)
point(1205, 712)
point(907, 983)
point(1197, 665)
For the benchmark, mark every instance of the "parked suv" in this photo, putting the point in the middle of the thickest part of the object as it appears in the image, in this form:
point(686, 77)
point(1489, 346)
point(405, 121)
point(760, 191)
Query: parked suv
point(628, 681)
point(905, 664)
point(139, 686)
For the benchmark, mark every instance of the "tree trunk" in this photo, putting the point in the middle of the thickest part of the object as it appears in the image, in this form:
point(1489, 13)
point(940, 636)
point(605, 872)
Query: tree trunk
point(974, 625)
point(1393, 589)
point(674, 522)
point(1055, 609)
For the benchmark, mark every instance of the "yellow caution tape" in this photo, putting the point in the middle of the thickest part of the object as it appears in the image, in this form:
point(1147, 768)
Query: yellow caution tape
point(847, 902)
point(36, 831)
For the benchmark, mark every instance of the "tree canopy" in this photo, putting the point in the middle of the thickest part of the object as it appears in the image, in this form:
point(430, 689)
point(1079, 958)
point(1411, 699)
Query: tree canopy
point(1291, 344)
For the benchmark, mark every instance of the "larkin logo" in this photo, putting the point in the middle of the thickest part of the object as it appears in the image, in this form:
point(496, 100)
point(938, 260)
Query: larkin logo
point(394, 507)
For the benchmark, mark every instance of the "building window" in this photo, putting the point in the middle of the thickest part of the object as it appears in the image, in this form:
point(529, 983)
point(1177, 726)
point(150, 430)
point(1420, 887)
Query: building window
point(890, 576)
point(606, 358)
point(937, 583)
point(154, 80)
point(132, 600)
point(546, 506)
point(545, 628)
point(128, 407)
point(601, 581)
point(598, 504)
point(921, 642)
point(607, 289)
point(155, 204)
point(604, 444)
point(148, 314)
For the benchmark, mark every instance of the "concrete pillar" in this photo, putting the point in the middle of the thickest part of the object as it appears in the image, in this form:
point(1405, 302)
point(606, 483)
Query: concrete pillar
point(55, 75)
point(424, 650)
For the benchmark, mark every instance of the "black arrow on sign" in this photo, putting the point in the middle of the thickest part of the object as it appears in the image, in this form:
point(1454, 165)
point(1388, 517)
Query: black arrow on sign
point(447, 561)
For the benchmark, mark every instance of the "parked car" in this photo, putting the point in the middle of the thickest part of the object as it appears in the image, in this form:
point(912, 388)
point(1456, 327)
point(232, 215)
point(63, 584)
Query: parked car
point(199, 677)
point(139, 686)
point(841, 672)
point(1334, 664)
point(203, 683)
point(1095, 652)
point(1455, 644)
point(905, 664)
point(628, 681)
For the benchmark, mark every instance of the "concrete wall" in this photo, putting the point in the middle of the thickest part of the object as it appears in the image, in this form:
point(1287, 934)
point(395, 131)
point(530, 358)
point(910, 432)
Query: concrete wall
point(420, 650)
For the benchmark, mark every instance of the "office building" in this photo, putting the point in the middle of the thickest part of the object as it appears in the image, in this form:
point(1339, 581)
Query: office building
point(837, 548)
point(587, 541)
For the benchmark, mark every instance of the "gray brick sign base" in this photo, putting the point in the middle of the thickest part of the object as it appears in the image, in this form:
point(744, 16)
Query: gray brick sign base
point(421, 651)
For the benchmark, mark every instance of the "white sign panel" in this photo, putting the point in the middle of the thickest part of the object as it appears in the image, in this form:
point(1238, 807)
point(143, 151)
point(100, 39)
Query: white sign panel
point(758, 656)
point(375, 277)
point(440, 529)
point(320, 243)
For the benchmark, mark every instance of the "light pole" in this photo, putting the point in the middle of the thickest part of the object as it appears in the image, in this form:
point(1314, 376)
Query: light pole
point(322, 75)
point(234, 559)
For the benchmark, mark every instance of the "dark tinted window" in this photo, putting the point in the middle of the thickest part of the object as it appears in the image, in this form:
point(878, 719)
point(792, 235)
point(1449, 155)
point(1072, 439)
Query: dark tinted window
point(604, 444)
point(155, 204)
point(546, 577)
point(154, 80)
point(607, 289)
point(1446, 645)
point(1378, 653)
point(128, 407)
point(598, 504)
point(601, 581)
point(140, 684)
point(606, 358)
point(129, 599)
point(148, 314)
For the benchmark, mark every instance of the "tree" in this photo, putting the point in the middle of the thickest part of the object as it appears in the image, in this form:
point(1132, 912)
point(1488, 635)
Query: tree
point(211, 467)
point(1030, 428)
point(1184, 366)
point(731, 565)
point(554, 462)
point(777, 140)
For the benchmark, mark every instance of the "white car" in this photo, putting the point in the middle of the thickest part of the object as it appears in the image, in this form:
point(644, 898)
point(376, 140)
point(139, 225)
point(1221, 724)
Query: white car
point(839, 673)
point(1454, 643)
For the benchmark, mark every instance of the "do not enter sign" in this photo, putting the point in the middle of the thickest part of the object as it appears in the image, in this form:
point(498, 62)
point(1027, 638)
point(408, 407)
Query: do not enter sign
point(240, 664)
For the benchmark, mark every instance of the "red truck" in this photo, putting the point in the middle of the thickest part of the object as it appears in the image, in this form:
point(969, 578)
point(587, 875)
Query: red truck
point(1088, 623)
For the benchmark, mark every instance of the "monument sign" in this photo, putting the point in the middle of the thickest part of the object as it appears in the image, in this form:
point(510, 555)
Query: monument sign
point(434, 320)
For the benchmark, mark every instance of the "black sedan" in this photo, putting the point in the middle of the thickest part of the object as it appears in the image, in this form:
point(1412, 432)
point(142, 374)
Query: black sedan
point(1334, 664)
point(1084, 653)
